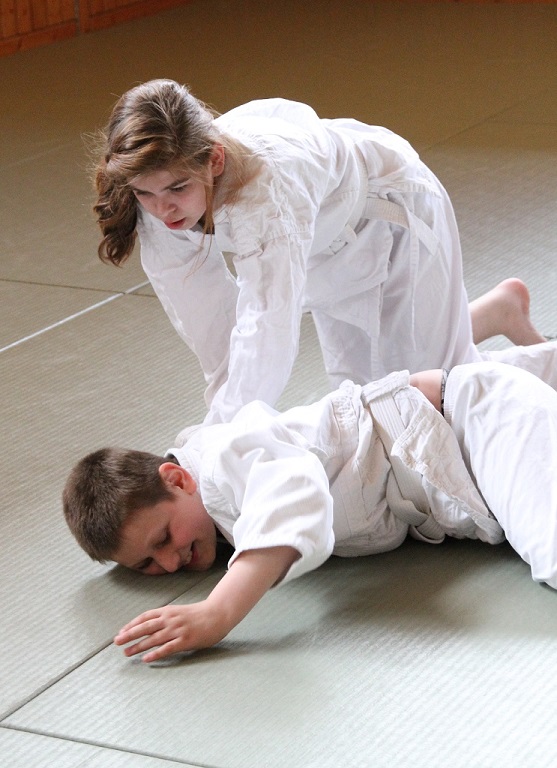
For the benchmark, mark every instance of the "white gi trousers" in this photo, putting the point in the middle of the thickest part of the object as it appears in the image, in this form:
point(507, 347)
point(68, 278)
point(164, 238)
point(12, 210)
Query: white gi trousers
point(505, 421)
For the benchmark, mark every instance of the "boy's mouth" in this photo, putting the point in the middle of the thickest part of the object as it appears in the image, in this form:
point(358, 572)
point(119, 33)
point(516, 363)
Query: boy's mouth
point(189, 558)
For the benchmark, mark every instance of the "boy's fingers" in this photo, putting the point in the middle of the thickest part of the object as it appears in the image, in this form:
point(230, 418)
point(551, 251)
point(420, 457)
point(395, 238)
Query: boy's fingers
point(141, 619)
point(131, 650)
point(156, 629)
point(133, 632)
point(173, 646)
point(144, 645)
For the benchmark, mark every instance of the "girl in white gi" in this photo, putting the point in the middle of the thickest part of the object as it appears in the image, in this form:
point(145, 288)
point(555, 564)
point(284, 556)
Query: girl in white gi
point(331, 216)
point(352, 474)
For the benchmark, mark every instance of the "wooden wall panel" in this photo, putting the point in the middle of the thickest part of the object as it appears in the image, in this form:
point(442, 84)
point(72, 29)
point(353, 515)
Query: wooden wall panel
point(7, 19)
point(98, 14)
point(28, 23)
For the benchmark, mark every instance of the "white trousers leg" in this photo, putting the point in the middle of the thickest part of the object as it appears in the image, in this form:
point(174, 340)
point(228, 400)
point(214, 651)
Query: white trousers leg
point(505, 420)
point(539, 359)
point(399, 301)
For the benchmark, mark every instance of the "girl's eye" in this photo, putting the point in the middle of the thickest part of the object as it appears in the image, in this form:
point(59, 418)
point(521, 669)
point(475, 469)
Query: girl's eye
point(180, 188)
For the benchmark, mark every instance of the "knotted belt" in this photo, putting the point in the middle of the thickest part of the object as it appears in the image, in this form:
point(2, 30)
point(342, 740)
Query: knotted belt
point(405, 495)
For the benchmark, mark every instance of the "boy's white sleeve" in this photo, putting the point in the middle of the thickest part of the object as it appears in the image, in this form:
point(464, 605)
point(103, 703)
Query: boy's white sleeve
point(271, 492)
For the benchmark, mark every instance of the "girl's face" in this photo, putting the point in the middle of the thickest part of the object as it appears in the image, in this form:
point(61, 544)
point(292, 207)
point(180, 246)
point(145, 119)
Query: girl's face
point(178, 201)
point(175, 198)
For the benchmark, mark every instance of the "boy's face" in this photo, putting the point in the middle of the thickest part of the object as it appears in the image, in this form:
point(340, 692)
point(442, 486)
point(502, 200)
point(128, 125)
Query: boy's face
point(173, 534)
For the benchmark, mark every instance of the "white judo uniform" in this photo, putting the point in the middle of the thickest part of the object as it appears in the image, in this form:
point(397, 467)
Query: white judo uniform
point(357, 471)
point(343, 220)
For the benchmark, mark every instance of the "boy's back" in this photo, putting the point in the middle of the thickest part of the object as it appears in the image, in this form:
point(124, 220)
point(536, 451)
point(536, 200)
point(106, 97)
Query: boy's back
point(319, 478)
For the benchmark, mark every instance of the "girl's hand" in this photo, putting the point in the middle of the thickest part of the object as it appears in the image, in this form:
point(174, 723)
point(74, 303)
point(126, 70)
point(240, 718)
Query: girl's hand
point(173, 628)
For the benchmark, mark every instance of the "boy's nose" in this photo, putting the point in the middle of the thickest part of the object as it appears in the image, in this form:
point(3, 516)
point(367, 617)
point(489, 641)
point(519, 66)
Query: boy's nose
point(168, 560)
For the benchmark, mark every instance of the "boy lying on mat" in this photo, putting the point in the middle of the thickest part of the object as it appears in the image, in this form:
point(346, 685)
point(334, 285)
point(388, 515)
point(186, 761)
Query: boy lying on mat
point(471, 453)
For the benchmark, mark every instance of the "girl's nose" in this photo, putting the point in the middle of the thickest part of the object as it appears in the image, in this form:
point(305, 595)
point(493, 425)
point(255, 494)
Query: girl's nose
point(164, 208)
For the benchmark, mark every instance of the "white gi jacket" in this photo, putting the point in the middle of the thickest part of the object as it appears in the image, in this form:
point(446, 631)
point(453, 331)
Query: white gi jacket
point(318, 477)
point(344, 221)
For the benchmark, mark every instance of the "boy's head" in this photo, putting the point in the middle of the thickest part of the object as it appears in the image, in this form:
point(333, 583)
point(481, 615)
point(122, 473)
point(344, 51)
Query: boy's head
point(139, 510)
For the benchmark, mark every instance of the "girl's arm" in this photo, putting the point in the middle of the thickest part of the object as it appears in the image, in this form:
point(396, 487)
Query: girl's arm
point(175, 628)
point(265, 340)
point(197, 292)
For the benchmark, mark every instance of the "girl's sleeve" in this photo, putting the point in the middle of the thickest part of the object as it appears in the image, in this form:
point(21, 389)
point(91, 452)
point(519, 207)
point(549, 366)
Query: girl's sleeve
point(281, 490)
point(272, 228)
point(198, 294)
point(265, 340)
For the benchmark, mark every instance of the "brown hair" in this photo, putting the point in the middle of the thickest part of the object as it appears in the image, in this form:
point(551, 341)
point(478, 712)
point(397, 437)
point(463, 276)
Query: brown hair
point(154, 126)
point(103, 489)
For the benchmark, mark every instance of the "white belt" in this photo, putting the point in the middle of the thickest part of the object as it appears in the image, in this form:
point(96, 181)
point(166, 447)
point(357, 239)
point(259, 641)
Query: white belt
point(405, 495)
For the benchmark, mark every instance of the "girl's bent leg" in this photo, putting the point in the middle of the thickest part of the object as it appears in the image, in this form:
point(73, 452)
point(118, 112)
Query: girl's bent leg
point(505, 421)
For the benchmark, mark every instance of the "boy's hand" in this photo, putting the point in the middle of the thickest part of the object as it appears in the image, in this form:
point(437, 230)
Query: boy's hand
point(173, 628)
point(176, 628)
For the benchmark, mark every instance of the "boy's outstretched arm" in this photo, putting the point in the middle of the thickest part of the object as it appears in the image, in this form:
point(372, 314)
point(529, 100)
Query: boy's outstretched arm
point(175, 628)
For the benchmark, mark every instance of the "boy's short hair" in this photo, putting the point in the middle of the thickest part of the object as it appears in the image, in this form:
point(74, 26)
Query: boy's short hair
point(103, 489)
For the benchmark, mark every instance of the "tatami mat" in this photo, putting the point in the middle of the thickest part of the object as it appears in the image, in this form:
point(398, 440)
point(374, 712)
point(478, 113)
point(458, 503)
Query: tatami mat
point(27, 309)
point(416, 658)
point(424, 657)
point(29, 750)
point(48, 233)
point(503, 234)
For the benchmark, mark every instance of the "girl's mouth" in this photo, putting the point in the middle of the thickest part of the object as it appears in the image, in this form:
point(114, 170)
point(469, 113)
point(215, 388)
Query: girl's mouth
point(175, 224)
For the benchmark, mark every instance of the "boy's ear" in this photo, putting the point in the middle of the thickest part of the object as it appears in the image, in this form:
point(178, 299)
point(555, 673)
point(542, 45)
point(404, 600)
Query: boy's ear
point(217, 160)
point(175, 475)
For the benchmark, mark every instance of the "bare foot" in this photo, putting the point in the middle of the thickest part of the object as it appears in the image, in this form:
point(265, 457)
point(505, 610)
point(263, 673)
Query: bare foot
point(505, 310)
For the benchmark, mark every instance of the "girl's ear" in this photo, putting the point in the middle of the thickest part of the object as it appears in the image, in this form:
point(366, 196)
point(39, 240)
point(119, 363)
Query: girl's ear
point(217, 160)
point(178, 477)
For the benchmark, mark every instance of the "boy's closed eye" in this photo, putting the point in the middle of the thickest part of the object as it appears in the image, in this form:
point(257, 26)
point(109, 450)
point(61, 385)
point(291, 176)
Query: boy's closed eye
point(149, 566)
point(163, 541)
